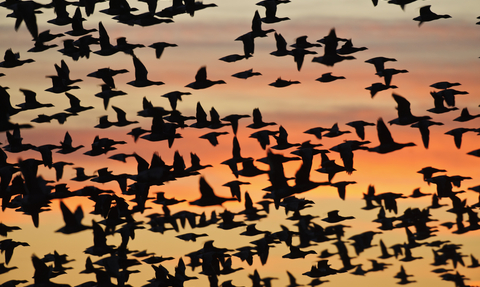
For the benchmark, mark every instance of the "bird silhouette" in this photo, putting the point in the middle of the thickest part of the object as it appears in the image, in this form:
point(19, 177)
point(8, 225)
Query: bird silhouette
point(12, 60)
point(160, 47)
point(405, 116)
point(208, 197)
point(201, 81)
point(280, 83)
point(141, 72)
point(387, 144)
point(427, 15)
point(328, 77)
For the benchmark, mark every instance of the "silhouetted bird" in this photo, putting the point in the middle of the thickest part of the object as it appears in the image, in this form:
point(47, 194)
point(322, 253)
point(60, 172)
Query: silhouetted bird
point(427, 15)
point(258, 120)
point(201, 81)
point(280, 83)
point(141, 72)
point(208, 197)
point(11, 60)
point(387, 144)
point(328, 77)
point(160, 47)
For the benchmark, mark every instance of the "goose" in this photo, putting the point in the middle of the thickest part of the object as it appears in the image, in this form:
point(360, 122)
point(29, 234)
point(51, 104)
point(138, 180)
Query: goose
point(405, 116)
point(423, 127)
point(208, 197)
point(387, 74)
point(281, 45)
point(174, 97)
point(246, 74)
point(427, 15)
point(124, 46)
point(212, 137)
point(121, 118)
point(248, 45)
point(280, 83)
point(271, 12)
point(232, 58)
point(31, 101)
point(258, 120)
point(449, 96)
point(444, 85)
point(359, 127)
point(106, 48)
point(439, 106)
point(73, 221)
point(75, 106)
point(328, 77)
point(77, 25)
point(107, 74)
point(11, 60)
point(465, 116)
point(160, 47)
point(62, 17)
point(348, 48)
point(107, 93)
point(457, 134)
point(379, 62)
point(233, 119)
point(141, 73)
point(330, 56)
point(378, 87)
point(201, 81)
point(387, 144)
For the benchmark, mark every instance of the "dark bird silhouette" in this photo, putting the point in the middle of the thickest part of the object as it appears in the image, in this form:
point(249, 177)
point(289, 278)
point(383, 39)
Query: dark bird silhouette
point(12, 60)
point(8, 245)
point(359, 127)
point(328, 77)
point(24, 11)
point(246, 74)
point(465, 116)
point(121, 118)
point(280, 83)
point(403, 276)
point(281, 45)
point(212, 137)
point(423, 127)
point(271, 12)
point(141, 72)
point(208, 197)
point(334, 217)
point(106, 74)
point(427, 15)
point(457, 135)
point(201, 81)
point(444, 85)
point(387, 144)
point(77, 25)
point(174, 97)
point(107, 93)
point(160, 47)
point(348, 48)
point(31, 101)
point(330, 56)
point(73, 221)
point(379, 63)
point(106, 48)
point(404, 112)
point(258, 120)
point(75, 106)
point(378, 87)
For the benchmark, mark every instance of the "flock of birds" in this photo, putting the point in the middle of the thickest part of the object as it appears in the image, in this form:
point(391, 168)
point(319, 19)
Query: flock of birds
point(24, 188)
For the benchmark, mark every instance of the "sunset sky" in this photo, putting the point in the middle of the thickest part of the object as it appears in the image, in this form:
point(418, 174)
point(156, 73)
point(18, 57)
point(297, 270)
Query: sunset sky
point(441, 50)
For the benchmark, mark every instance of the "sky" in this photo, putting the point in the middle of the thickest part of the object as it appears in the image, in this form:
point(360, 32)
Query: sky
point(441, 50)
